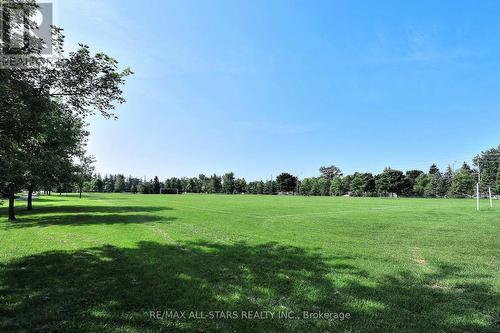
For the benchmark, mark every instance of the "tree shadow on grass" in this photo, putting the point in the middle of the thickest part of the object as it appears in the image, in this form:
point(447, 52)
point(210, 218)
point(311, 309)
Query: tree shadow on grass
point(74, 209)
point(83, 220)
point(74, 215)
point(110, 289)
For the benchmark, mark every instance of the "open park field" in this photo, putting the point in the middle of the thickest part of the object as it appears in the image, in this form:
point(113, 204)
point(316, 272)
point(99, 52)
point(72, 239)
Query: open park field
point(106, 262)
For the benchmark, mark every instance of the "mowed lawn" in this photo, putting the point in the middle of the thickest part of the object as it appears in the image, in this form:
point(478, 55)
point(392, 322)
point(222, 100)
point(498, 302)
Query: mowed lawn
point(105, 262)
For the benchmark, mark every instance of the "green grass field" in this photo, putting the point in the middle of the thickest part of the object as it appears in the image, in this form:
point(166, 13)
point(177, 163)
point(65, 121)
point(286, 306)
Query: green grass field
point(103, 263)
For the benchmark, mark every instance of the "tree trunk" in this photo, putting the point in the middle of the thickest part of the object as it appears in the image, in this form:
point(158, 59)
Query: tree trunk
point(30, 198)
point(12, 215)
point(80, 192)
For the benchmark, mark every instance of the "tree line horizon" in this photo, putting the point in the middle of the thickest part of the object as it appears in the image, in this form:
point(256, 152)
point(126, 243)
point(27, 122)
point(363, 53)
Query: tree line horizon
point(330, 182)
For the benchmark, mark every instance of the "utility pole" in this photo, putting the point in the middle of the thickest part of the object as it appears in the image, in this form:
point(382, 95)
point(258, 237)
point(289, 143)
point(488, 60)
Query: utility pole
point(271, 186)
point(477, 200)
point(477, 185)
point(489, 193)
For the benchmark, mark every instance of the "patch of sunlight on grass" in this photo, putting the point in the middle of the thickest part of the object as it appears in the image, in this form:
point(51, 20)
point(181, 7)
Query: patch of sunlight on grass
point(233, 297)
point(99, 313)
point(367, 305)
point(476, 319)
point(184, 277)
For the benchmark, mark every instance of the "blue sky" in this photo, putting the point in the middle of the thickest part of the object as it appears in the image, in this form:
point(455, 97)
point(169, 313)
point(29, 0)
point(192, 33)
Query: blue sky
point(261, 87)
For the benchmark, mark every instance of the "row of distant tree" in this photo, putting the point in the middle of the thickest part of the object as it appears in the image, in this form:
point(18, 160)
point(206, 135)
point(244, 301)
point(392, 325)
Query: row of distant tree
point(331, 181)
point(226, 183)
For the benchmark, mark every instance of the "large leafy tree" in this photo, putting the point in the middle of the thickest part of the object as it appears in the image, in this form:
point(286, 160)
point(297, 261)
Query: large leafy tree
point(269, 187)
point(119, 183)
point(37, 134)
point(145, 187)
point(447, 181)
point(488, 163)
point(463, 182)
point(362, 184)
point(411, 178)
point(420, 184)
point(81, 82)
point(228, 183)
point(433, 169)
point(57, 138)
point(240, 185)
point(109, 183)
point(286, 182)
point(498, 181)
point(306, 186)
point(259, 187)
point(97, 185)
point(390, 181)
point(337, 187)
point(329, 172)
point(215, 184)
point(436, 185)
point(320, 186)
point(14, 115)
point(83, 171)
point(156, 185)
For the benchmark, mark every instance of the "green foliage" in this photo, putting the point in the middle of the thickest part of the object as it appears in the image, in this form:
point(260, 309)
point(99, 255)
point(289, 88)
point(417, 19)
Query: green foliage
point(83, 171)
point(256, 187)
point(240, 186)
point(145, 188)
point(433, 169)
point(228, 183)
point(109, 183)
point(97, 184)
point(156, 186)
point(435, 187)
point(216, 184)
point(390, 181)
point(362, 184)
point(411, 178)
point(315, 186)
point(269, 187)
point(488, 162)
point(321, 186)
point(463, 182)
point(330, 172)
point(119, 183)
point(337, 187)
point(447, 181)
point(412, 175)
point(421, 183)
point(174, 184)
point(286, 182)
point(498, 181)
point(306, 186)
